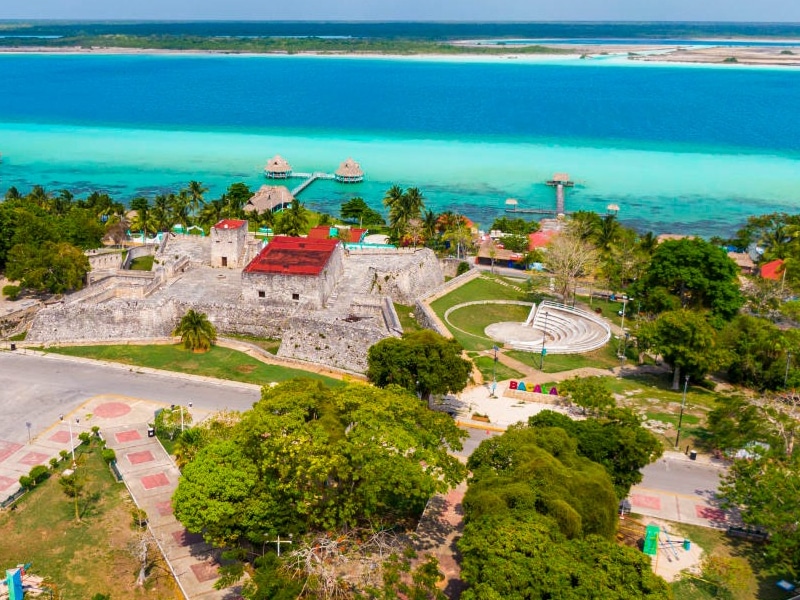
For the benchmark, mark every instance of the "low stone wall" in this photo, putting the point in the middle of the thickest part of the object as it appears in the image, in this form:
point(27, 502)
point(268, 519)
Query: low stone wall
point(137, 252)
point(425, 315)
point(405, 281)
point(334, 343)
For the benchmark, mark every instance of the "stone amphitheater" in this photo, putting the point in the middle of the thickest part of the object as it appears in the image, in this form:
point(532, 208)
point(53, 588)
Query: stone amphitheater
point(559, 328)
point(120, 304)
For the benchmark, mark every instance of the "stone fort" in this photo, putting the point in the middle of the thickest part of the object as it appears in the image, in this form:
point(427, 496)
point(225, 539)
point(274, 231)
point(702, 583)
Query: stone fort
point(326, 301)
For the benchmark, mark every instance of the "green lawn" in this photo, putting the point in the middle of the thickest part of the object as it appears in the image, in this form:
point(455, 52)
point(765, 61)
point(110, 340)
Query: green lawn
point(603, 358)
point(486, 366)
point(759, 584)
point(142, 263)
point(475, 319)
point(80, 558)
point(221, 363)
point(477, 289)
point(404, 313)
point(271, 345)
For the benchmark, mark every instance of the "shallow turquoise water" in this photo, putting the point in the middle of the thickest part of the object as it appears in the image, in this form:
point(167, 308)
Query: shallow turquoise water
point(678, 149)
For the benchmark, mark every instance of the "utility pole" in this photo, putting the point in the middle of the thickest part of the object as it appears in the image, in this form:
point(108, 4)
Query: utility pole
point(544, 341)
point(680, 418)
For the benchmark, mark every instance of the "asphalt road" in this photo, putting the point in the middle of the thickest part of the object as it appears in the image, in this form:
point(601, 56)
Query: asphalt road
point(37, 389)
point(678, 475)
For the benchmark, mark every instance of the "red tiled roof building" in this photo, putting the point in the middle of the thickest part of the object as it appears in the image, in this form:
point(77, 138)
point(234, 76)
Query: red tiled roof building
point(291, 270)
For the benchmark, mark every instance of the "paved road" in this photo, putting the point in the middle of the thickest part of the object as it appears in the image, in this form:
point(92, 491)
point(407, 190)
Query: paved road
point(679, 476)
point(36, 389)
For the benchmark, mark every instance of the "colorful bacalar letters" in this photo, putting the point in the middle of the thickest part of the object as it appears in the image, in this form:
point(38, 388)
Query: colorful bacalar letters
point(530, 387)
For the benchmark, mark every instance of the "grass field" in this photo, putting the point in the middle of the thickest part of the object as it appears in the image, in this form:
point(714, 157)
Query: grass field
point(80, 558)
point(404, 313)
point(221, 363)
point(474, 320)
point(760, 583)
point(486, 366)
point(271, 345)
point(481, 288)
point(142, 263)
point(603, 358)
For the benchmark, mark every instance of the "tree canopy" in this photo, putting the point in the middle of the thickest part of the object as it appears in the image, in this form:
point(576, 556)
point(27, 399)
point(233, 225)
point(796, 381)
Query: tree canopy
point(540, 520)
point(422, 362)
point(310, 458)
point(615, 440)
point(693, 272)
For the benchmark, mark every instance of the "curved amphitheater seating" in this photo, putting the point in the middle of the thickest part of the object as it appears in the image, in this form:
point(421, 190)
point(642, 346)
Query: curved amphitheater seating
point(569, 330)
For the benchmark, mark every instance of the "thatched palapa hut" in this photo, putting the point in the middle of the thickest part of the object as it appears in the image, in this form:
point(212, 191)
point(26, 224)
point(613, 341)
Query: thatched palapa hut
point(349, 172)
point(269, 198)
point(278, 168)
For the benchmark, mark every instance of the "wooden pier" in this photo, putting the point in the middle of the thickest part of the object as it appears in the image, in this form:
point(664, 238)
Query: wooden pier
point(309, 179)
point(559, 181)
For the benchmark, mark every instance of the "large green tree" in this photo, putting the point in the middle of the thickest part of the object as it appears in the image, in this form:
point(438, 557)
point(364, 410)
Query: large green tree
point(758, 352)
point(615, 440)
point(404, 206)
point(53, 267)
point(293, 220)
point(540, 520)
point(422, 362)
point(358, 212)
point(311, 458)
point(686, 341)
point(696, 273)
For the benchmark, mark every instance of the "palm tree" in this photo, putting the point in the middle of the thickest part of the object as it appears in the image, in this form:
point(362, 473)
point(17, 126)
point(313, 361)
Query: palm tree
point(162, 213)
point(294, 220)
point(196, 190)
point(180, 206)
point(429, 223)
point(212, 213)
point(143, 221)
point(196, 331)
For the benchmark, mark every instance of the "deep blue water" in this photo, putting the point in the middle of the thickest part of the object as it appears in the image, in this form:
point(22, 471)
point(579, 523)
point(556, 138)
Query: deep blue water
point(679, 149)
point(728, 109)
point(427, 30)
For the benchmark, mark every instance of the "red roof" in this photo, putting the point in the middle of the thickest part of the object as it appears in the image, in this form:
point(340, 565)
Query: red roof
point(230, 224)
point(540, 239)
point(356, 234)
point(293, 256)
point(772, 270)
point(320, 232)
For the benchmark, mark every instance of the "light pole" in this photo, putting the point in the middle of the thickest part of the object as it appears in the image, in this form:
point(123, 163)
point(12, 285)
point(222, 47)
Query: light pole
point(28, 424)
point(680, 418)
point(786, 374)
point(494, 370)
point(190, 406)
point(544, 341)
point(71, 443)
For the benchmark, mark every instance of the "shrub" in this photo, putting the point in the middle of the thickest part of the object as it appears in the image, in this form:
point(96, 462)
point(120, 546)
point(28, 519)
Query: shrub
point(139, 518)
point(64, 455)
point(38, 473)
point(85, 437)
point(462, 268)
point(109, 455)
point(11, 291)
point(53, 463)
point(96, 430)
point(26, 482)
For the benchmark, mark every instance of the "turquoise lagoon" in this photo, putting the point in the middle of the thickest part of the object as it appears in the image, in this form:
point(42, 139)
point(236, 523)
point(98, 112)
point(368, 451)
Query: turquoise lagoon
point(677, 148)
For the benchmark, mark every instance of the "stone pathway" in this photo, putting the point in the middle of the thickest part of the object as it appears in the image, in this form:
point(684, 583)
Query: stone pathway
point(438, 533)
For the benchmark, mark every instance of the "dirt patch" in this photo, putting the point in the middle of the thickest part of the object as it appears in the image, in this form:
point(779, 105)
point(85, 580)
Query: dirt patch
point(246, 369)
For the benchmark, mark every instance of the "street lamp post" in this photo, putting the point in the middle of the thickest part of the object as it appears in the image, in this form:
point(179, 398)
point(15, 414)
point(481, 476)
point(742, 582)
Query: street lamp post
point(494, 371)
point(28, 424)
point(786, 374)
point(544, 341)
point(683, 405)
point(190, 406)
point(71, 443)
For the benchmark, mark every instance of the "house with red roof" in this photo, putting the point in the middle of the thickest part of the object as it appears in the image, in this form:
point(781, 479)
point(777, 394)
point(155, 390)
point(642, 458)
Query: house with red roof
point(294, 270)
point(349, 235)
point(229, 243)
point(772, 270)
point(540, 239)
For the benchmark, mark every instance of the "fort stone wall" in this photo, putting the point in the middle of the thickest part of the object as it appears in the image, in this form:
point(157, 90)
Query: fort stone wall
point(405, 277)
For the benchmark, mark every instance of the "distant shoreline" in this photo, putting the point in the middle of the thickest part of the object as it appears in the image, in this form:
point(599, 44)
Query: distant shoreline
point(766, 56)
